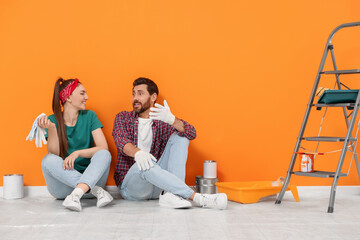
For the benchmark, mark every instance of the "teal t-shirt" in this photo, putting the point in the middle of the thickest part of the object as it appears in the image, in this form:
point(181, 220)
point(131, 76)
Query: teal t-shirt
point(80, 136)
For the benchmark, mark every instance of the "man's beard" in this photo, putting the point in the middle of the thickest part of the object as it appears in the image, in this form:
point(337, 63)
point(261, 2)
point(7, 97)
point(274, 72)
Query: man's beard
point(143, 108)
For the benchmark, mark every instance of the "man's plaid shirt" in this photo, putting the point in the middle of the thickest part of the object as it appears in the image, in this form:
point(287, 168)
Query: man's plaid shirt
point(126, 131)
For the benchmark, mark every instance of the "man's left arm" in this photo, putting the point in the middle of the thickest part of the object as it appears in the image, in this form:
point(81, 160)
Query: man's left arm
point(179, 125)
point(184, 129)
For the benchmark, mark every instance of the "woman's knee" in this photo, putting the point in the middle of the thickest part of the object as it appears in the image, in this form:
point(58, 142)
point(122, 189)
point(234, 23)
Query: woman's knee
point(49, 161)
point(103, 155)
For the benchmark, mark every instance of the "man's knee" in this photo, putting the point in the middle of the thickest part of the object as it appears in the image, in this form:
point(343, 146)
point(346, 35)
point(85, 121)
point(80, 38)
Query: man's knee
point(151, 172)
point(135, 171)
point(180, 141)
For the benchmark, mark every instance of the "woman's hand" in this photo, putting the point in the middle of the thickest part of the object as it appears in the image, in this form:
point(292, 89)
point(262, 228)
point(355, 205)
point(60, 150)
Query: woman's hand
point(44, 122)
point(69, 161)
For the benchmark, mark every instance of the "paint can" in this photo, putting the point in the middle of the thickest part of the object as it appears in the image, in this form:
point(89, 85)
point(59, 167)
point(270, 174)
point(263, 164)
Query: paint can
point(206, 185)
point(307, 162)
point(13, 186)
point(210, 169)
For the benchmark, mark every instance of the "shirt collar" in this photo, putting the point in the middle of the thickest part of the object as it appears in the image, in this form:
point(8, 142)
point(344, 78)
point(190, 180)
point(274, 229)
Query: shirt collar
point(134, 114)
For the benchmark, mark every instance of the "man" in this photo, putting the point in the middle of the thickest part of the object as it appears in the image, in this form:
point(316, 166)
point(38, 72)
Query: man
point(153, 138)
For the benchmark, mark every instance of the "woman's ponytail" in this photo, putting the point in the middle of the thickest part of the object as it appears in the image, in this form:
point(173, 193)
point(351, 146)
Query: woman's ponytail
point(56, 106)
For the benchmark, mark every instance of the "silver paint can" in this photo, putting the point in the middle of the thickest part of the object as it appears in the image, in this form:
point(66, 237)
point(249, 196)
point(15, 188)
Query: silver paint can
point(205, 185)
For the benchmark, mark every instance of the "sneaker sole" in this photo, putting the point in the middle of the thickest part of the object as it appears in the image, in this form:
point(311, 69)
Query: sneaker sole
point(103, 204)
point(226, 203)
point(73, 208)
point(171, 206)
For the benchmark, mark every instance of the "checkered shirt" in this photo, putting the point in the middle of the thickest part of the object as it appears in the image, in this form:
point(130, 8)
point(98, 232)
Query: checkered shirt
point(126, 131)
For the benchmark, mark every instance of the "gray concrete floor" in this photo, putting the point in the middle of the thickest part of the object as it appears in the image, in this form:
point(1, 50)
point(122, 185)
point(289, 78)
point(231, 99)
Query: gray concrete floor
point(39, 216)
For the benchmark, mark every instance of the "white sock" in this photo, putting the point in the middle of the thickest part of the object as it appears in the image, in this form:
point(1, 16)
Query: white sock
point(94, 190)
point(78, 192)
point(196, 198)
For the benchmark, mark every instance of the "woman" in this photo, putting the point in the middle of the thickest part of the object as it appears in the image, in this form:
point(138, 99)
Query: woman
point(78, 161)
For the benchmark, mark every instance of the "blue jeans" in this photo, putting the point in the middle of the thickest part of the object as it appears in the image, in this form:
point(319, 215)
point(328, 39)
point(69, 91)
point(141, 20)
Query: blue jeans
point(61, 183)
point(167, 174)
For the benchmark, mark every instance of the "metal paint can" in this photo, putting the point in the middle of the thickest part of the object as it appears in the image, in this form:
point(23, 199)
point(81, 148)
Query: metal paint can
point(210, 169)
point(206, 185)
point(307, 162)
point(13, 186)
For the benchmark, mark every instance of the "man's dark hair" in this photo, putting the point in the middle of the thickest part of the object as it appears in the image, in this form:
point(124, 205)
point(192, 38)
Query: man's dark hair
point(151, 86)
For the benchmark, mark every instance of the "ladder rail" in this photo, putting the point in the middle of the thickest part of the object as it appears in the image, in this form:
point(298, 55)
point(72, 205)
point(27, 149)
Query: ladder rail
point(344, 109)
point(342, 156)
point(345, 25)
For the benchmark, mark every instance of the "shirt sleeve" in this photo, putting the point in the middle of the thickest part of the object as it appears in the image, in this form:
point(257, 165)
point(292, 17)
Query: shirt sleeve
point(95, 122)
point(190, 132)
point(120, 133)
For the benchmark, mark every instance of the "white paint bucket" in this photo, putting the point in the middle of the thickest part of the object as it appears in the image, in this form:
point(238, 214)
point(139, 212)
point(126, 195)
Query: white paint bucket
point(13, 186)
point(209, 169)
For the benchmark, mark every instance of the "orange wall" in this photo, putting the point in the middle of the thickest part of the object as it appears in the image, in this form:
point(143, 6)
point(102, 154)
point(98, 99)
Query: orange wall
point(240, 71)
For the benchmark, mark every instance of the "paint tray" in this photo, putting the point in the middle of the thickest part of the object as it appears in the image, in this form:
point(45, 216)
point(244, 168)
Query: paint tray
point(338, 96)
point(251, 192)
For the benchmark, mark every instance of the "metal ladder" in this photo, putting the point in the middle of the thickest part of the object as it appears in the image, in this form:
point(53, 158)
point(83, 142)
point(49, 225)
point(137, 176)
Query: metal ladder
point(346, 140)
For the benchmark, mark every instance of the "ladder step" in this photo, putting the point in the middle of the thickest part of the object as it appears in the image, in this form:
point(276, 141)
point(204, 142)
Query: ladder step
point(328, 139)
point(320, 174)
point(351, 71)
point(320, 105)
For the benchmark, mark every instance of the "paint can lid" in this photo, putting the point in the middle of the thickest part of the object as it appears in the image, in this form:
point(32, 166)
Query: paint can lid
point(209, 161)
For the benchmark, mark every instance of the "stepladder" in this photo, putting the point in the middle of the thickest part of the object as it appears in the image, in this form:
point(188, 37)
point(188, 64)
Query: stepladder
point(349, 106)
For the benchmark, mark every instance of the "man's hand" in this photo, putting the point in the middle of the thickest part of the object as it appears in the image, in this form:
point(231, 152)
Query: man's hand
point(144, 160)
point(162, 113)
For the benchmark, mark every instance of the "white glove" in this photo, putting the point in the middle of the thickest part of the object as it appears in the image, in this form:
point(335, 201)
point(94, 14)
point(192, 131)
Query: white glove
point(144, 160)
point(34, 128)
point(37, 138)
point(37, 133)
point(162, 113)
point(40, 137)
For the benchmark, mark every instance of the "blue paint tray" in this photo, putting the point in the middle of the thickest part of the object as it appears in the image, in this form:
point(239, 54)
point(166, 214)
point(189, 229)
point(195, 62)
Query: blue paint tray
point(338, 96)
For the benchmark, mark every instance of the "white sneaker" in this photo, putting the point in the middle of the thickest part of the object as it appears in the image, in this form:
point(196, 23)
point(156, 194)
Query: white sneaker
point(173, 201)
point(218, 201)
point(103, 197)
point(72, 202)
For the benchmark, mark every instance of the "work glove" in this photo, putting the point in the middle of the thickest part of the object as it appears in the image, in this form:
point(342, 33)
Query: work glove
point(37, 133)
point(144, 160)
point(162, 113)
point(40, 137)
